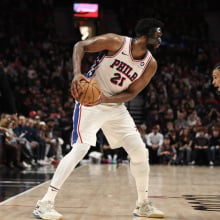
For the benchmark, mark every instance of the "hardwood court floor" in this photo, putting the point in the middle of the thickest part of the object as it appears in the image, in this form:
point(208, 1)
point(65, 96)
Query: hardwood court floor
point(105, 192)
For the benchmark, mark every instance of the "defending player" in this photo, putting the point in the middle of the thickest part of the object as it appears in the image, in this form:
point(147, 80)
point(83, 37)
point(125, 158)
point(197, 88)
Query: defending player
point(216, 76)
point(123, 68)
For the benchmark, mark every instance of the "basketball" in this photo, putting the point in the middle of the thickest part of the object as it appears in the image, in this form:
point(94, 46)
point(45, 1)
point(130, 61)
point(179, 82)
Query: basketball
point(91, 92)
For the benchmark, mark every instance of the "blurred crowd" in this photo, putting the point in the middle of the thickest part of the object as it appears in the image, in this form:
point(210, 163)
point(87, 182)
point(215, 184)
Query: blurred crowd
point(179, 104)
point(36, 68)
point(29, 142)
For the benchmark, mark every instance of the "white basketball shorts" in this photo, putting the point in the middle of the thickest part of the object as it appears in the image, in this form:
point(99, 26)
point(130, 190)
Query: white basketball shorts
point(115, 122)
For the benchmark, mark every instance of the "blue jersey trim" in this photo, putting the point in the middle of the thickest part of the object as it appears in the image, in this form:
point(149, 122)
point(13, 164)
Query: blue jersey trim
point(91, 72)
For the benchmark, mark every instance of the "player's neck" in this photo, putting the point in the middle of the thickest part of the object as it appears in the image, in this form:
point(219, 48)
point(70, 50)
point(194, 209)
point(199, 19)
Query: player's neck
point(138, 48)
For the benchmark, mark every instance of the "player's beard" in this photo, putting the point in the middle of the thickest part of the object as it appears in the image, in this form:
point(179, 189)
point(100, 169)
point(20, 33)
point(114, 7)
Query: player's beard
point(152, 48)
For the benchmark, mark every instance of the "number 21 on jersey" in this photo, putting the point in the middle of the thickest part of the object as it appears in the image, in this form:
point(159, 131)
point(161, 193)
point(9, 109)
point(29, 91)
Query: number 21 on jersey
point(117, 79)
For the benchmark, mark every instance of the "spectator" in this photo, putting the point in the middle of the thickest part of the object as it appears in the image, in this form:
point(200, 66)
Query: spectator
point(193, 119)
point(56, 141)
point(166, 153)
point(214, 143)
point(35, 145)
point(154, 141)
point(174, 137)
point(201, 149)
point(185, 147)
point(15, 148)
point(169, 115)
point(168, 127)
point(12, 147)
point(180, 122)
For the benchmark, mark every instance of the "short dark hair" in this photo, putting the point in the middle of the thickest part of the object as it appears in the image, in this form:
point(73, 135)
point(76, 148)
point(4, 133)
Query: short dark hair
point(145, 25)
point(217, 67)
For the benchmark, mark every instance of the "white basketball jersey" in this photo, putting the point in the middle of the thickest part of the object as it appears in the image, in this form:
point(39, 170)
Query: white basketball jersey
point(115, 73)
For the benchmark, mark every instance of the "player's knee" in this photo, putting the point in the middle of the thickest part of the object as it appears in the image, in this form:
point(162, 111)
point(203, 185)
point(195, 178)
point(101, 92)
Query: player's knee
point(140, 165)
point(139, 155)
point(136, 149)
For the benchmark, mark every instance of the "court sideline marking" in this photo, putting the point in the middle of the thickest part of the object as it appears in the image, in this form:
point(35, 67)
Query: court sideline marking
point(29, 190)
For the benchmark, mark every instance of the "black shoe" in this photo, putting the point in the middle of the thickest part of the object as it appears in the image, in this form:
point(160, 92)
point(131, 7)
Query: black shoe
point(19, 166)
point(10, 165)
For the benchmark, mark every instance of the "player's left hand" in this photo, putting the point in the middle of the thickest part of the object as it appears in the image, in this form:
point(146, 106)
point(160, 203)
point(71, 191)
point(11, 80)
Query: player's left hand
point(99, 101)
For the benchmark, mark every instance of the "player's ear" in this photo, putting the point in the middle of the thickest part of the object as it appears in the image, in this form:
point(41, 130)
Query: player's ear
point(144, 38)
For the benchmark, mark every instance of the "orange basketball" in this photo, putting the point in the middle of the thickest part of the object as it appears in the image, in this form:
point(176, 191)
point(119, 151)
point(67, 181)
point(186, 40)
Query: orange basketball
point(91, 92)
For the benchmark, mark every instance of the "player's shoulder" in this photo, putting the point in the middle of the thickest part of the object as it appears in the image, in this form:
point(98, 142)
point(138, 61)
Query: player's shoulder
point(113, 41)
point(115, 37)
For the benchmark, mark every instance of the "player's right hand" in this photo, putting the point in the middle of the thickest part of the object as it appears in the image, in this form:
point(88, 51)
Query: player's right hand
point(100, 100)
point(76, 87)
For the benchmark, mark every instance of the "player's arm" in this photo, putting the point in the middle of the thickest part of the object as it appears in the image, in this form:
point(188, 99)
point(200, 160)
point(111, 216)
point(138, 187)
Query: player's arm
point(110, 42)
point(136, 87)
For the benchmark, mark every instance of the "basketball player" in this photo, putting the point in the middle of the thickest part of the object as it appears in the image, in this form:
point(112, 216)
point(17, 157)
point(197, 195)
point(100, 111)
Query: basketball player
point(123, 68)
point(216, 76)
